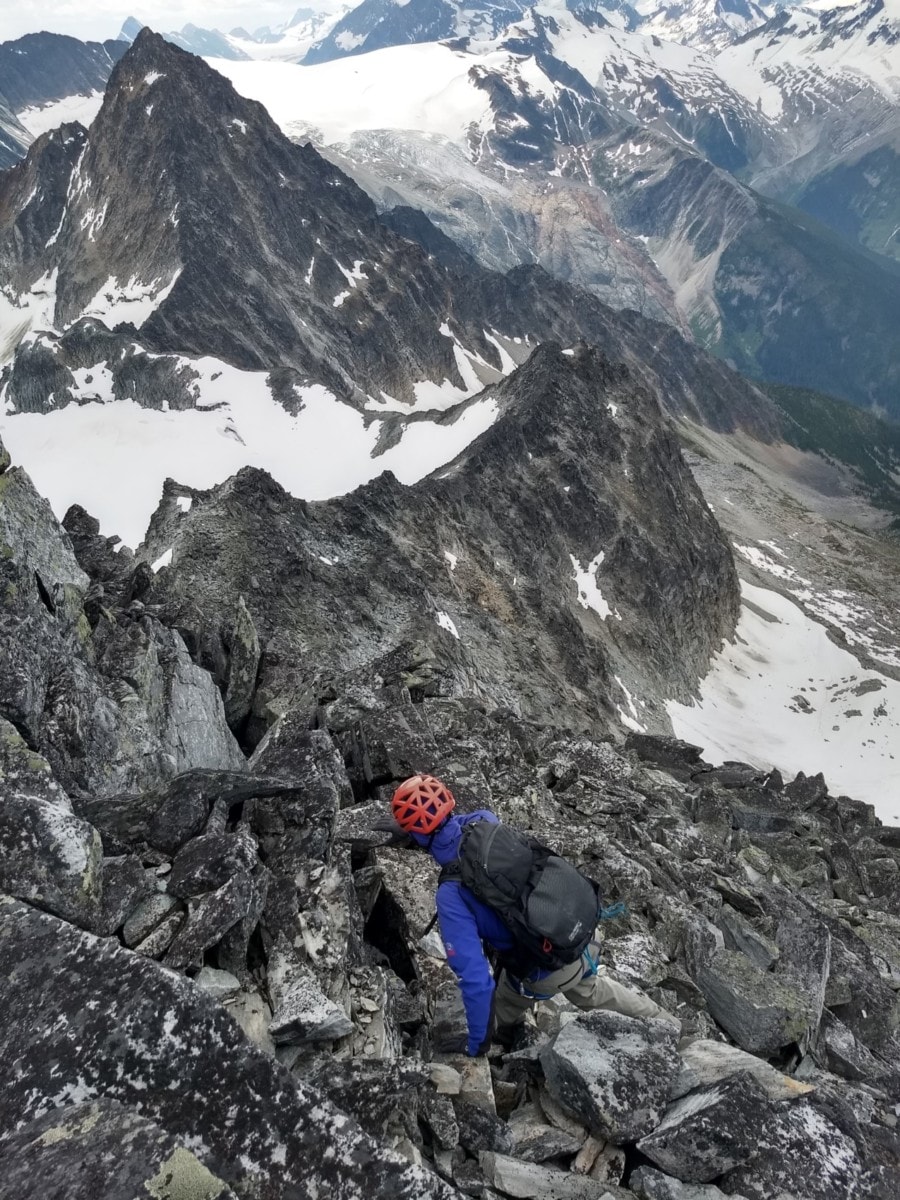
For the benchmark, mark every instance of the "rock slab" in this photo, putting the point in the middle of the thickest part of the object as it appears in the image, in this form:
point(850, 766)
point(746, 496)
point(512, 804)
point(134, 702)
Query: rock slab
point(80, 1016)
point(613, 1072)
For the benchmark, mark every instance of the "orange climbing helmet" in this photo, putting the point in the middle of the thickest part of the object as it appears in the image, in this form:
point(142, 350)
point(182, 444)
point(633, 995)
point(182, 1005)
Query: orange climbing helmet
point(421, 804)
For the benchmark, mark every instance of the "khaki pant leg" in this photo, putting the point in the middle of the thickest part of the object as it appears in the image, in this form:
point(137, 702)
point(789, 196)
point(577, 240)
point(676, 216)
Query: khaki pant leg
point(600, 991)
point(510, 1006)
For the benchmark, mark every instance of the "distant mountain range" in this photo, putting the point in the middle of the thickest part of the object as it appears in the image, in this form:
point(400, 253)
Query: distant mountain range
point(743, 184)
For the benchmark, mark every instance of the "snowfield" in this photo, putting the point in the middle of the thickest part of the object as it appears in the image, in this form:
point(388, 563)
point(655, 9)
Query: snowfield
point(112, 456)
point(437, 95)
point(783, 695)
point(39, 119)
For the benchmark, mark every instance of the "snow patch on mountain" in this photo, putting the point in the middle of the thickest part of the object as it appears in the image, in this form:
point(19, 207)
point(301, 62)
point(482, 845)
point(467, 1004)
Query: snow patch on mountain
point(782, 694)
point(20, 314)
point(135, 301)
point(112, 456)
point(40, 118)
point(799, 52)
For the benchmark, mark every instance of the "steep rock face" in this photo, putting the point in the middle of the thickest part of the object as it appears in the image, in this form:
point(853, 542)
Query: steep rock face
point(770, 290)
point(111, 700)
point(563, 545)
point(859, 197)
point(14, 137)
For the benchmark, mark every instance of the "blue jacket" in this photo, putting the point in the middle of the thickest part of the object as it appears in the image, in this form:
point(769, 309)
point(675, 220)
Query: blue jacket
point(466, 924)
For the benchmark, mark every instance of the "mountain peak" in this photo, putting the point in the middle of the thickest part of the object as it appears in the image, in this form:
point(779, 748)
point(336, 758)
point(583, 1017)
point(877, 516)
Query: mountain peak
point(130, 29)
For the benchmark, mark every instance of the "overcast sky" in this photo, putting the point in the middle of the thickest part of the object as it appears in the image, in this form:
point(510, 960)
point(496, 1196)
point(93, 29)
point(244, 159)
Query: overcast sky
point(99, 19)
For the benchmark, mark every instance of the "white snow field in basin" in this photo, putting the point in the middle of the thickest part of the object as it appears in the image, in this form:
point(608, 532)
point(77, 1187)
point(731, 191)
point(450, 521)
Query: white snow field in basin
point(39, 118)
point(426, 87)
point(783, 695)
point(112, 456)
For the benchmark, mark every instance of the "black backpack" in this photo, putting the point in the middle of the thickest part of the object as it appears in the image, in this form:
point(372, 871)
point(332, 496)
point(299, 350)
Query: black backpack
point(548, 906)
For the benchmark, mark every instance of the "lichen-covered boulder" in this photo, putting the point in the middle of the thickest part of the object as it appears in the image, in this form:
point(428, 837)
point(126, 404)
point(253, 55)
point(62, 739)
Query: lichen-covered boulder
point(303, 1013)
point(760, 1012)
point(51, 857)
point(82, 1017)
point(210, 918)
point(711, 1130)
point(24, 772)
point(125, 886)
point(208, 862)
point(103, 1149)
point(801, 1154)
point(613, 1072)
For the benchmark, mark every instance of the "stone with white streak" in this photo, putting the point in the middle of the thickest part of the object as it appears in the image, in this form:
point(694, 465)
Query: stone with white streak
point(531, 1181)
point(613, 1072)
point(711, 1130)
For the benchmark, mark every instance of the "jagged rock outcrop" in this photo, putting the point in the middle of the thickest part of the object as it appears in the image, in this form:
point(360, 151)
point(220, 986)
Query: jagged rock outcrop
point(111, 700)
point(440, 584)
point(254, 1126)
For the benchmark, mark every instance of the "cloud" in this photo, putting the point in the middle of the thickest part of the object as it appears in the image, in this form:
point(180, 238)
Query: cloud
point(99, 19)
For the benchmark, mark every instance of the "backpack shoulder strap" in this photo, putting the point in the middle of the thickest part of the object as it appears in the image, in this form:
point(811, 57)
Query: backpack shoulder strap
point(449, 872)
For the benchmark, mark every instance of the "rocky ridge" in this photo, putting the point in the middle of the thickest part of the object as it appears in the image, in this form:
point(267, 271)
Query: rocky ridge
point(253, 1000)
point(222, 968)
point(538, 567)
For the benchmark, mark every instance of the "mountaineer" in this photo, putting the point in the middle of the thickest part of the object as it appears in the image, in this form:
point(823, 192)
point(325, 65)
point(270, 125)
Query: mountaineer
point(502, 890)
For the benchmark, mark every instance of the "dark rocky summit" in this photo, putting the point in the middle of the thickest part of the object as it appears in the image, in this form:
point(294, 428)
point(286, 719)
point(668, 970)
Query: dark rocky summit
point(467, 582)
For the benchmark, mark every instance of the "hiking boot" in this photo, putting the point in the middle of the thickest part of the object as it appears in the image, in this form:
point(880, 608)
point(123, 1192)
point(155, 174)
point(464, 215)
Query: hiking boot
point(508, 1036)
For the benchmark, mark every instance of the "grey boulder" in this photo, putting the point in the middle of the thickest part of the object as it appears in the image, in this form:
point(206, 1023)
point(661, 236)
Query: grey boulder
point(208, 862)
point(760, 1012)
point(76, 1004)
point(711, 1130)
point(706, 1062)
point(52, 858)
point(613, 1072)
point(802, 1154)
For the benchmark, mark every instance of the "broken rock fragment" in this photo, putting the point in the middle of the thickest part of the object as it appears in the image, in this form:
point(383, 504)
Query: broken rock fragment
point(760, 1012)
point(208, 862)
point(613, 1072)
point(650, 1184)
point(52, 858)
point(303, 1013)
point(705, 1062)
point(711, 1130)
point(210, 918)
point(531, 1181)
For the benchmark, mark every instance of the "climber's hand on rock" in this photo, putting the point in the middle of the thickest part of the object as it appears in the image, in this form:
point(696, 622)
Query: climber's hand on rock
point(397, 836)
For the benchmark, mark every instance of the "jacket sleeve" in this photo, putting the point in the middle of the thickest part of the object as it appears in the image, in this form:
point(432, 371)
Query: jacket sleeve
point(465, 956)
